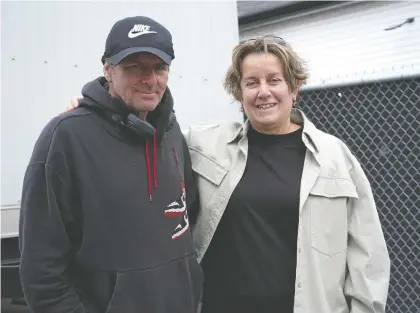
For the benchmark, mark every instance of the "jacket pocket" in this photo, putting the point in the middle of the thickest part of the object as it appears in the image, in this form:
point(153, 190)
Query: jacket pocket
point(210, 175)
point(328, 212)
point(207, 167)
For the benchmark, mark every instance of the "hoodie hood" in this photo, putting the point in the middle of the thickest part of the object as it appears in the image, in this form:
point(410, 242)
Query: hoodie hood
point(96, 96)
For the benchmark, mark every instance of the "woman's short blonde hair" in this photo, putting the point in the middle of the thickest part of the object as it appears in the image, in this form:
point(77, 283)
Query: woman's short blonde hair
point(295, 72)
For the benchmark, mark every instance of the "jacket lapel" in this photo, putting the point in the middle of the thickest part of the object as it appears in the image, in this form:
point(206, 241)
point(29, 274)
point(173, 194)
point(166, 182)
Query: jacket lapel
point(312, 165)
point(310, 174)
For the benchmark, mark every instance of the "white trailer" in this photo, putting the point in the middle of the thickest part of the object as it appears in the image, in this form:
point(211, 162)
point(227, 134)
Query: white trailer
point(49, 50)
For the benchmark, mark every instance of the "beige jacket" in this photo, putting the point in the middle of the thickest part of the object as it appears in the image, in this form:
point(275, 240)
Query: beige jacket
point(341, 251)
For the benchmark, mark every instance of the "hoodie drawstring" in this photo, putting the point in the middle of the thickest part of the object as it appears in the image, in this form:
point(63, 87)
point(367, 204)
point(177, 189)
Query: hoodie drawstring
point(154, 160)
point(149, 175)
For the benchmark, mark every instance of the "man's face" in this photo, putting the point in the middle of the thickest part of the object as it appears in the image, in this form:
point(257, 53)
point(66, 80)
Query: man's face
point(140, 81)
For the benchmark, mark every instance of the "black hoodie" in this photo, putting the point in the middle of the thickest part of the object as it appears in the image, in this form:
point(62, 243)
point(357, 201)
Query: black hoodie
point(103, 225)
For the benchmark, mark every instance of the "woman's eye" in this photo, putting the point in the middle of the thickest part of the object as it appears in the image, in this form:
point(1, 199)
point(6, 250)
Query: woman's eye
point(250, 84)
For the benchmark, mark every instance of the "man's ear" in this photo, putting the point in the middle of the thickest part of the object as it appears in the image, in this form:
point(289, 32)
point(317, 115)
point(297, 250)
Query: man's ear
point(107, 72)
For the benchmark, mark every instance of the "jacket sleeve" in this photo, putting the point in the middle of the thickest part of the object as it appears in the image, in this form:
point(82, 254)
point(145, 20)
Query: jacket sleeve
point(45, 244)
point(368, 261)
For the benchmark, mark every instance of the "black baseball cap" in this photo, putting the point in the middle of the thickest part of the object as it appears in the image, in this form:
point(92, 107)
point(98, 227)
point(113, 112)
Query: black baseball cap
point(137, 34)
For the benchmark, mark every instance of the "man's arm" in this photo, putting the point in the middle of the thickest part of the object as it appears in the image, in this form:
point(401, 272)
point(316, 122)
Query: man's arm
point(368, 260)
point(46, 231)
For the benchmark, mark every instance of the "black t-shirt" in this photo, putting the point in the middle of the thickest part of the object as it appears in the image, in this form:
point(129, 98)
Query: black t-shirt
point(251, 262)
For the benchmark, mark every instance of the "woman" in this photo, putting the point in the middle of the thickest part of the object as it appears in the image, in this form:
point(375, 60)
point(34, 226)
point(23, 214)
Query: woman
point(287, 221)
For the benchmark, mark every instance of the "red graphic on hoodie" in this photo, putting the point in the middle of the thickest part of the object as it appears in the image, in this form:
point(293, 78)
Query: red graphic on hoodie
point(179, 208)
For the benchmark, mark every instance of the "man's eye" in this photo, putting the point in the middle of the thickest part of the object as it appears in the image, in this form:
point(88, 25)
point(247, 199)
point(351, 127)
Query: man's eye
point(161, 67)
point(132, 67)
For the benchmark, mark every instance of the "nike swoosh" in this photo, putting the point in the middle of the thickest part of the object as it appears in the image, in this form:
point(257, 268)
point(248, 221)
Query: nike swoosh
point(131, 35)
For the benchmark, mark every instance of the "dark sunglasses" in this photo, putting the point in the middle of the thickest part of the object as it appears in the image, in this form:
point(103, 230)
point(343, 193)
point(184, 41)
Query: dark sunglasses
point(272, 38)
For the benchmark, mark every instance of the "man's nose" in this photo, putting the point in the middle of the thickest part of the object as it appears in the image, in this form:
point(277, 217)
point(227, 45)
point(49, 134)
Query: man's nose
point(148, 75)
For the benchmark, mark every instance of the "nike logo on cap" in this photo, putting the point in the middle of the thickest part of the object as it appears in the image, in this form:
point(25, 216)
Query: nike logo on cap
point(140, 29)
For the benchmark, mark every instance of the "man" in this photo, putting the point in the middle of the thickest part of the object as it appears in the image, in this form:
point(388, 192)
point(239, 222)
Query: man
point(103, 225)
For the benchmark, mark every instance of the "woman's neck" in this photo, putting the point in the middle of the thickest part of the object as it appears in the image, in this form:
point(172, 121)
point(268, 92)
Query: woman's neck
point(284, 128)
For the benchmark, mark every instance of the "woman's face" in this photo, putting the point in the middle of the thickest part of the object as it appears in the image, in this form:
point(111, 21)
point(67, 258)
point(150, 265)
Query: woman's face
point(266, 98)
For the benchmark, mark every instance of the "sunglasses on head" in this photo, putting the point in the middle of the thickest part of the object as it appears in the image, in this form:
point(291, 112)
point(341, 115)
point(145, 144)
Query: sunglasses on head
point(272, 38)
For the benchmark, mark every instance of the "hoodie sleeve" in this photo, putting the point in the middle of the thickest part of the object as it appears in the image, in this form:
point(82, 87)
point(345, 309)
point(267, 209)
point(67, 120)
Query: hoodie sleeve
point(190, 186)
point(46, 220)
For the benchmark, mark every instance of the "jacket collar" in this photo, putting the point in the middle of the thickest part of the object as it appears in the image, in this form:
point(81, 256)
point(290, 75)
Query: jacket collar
point(309, 136)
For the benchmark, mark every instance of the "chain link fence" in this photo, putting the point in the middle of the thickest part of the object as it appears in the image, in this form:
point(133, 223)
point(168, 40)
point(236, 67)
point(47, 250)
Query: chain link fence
point(380, 122)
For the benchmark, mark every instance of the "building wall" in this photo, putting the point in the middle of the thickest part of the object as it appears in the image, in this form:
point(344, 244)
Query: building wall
point(349, 44)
